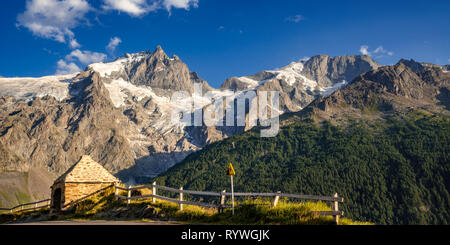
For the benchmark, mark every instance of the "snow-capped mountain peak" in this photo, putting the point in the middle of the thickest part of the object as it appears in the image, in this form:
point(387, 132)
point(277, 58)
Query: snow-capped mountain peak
point(138, 115)
point(120, 64)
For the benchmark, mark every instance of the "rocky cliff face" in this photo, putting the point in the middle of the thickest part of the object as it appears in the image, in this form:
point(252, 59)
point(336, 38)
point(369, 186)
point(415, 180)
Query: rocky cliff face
point(119, 113)
point(301, 82)
point(47, 136)
point(50, 134)
point(328, 71)
point(155, 70)
point(372, 96)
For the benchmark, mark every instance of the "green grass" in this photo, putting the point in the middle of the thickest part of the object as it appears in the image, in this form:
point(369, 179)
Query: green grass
point(103, 206)
point(22, 197)
point(7, 197)
point(13, 198)
point(390, 171)
point(256, 212)
point(6, 217)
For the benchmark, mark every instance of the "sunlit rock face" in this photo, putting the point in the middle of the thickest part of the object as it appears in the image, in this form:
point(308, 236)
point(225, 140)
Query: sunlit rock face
point(120, 112)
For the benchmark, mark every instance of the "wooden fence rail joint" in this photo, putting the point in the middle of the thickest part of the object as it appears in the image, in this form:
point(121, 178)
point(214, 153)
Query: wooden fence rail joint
point(22, 207)
point(335, 199)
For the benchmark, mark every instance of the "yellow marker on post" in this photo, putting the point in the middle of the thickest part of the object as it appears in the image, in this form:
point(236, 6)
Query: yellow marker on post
point(231, 173)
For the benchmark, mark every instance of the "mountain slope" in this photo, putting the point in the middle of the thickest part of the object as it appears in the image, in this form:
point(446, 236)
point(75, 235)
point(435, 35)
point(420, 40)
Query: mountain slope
point(47, 136)
point(47, 123)
point(120, 112)
point(381, 142)
point(126, 107)
point(155, 70)
point(301, 82)
point(385, 91)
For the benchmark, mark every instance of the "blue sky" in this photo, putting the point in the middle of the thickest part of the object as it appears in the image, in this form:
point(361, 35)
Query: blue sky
point(217, 38)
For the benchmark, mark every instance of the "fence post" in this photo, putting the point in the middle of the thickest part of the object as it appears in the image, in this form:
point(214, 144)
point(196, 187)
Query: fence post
point(129, 195)
point(35, 205)
point(222, 201)
point(335, 207)
point(116, 192)
point(181, 198)
point(49, 203)
point(277, 198)
point(154, 191)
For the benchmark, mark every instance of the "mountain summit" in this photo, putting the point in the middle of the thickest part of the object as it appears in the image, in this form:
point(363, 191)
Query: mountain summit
point(301, 82)
point(155, 70)
point(388, 90)
point(381, 142)
point(120, 112)
point(328, 71)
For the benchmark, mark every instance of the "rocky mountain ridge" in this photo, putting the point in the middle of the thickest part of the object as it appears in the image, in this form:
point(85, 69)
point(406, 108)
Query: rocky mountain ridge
point(301, 82)
point(389, 90)
point(120, 112)
point(383, 140)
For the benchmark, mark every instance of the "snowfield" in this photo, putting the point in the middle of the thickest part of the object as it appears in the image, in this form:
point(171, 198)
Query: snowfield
point(292, 74)
point(28, 88)
point(105, 69)
point(121, 91)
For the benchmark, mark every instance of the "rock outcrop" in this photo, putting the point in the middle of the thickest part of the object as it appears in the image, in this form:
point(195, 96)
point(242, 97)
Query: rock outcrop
point(120, 112)
point(301, 82)
point(328, 71)
point(385, 91)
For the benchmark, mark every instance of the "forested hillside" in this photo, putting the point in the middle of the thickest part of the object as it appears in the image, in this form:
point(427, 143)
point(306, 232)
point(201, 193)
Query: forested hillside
point(395, 171)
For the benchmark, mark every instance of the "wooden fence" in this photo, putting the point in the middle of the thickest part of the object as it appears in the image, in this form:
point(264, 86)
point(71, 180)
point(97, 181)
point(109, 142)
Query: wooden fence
point(34, 205)
point(28, 206)
point(335, 199)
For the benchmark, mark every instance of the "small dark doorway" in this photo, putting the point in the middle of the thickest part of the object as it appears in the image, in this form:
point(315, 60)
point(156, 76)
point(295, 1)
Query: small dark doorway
point(57, 199)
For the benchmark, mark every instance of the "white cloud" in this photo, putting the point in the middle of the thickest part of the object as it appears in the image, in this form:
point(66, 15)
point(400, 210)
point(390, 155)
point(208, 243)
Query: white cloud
point(54, 19)
point(304, 59)
point(181, 4)
point(113, 43)
point(85, 57)
point(69, 64)
point(140, 7)
point(131, 7)
point(74, 44)
point(64, 68)
point(296, 19)
point(364, 49)
point(380, 51)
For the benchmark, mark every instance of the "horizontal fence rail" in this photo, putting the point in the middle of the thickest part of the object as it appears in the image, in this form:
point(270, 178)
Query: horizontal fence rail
point(154, 187)
point(206, 193)
point(24, 207)
point(335, 199)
